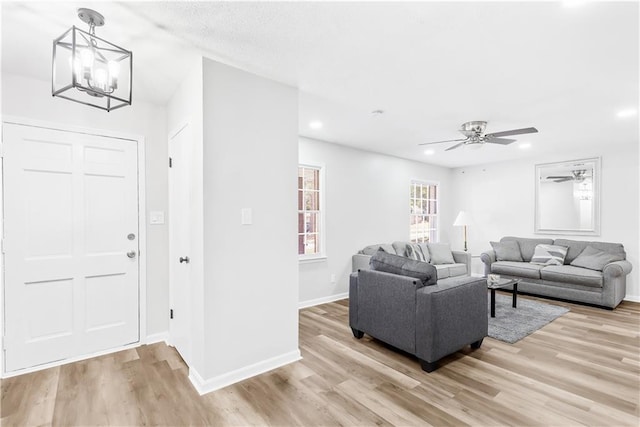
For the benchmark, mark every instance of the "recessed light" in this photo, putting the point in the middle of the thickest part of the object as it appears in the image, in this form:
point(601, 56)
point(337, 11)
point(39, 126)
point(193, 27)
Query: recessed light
point(429, 152)
point(316, 124)
point(524, 145)
point(623, 114)
point(377, 112)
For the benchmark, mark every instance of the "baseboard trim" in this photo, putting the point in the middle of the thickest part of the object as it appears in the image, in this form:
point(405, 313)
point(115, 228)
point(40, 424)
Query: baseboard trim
point(159, 337)
point(323, 300)
point(633, 298)
point(203, 386)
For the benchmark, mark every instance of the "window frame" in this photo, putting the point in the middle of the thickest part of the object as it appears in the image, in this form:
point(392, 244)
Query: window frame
point(424, 182)
point(321, 254)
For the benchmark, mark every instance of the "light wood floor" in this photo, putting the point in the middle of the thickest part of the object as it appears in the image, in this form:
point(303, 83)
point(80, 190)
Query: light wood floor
point(584, 368)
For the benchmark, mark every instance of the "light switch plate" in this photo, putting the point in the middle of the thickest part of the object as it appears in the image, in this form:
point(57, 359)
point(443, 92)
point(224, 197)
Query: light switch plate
point(156, 217)
point(246, 216)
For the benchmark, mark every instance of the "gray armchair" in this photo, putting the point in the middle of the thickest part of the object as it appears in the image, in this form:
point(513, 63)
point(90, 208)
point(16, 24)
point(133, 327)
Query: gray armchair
point(429, 322)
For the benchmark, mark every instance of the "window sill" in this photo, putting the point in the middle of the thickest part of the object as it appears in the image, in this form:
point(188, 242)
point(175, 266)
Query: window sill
point(309, 260)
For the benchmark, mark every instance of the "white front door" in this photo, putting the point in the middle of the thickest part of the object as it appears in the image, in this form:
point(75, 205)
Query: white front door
point(71, 244)
point(180, 146)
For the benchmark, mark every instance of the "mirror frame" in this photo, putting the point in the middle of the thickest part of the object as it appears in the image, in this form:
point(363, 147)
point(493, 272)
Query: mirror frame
point(594, 162)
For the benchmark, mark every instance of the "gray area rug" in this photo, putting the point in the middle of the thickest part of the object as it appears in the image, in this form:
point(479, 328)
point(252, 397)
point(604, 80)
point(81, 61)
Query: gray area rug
point(512, 324)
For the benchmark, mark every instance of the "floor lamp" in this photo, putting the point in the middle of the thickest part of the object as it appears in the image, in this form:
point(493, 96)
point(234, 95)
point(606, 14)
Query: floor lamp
point(463, 220)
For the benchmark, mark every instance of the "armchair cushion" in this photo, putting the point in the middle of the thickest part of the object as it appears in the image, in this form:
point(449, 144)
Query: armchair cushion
point(594, 259)
point(440, 253)
point(396, 264)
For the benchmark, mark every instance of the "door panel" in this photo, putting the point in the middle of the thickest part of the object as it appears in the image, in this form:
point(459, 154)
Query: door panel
point(70, 201)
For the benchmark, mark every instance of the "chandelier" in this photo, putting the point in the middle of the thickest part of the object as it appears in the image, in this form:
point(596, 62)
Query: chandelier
point(90, 70)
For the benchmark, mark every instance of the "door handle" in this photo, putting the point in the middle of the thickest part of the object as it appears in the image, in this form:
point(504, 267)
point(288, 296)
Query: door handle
point(131, 254)
point(185, 259)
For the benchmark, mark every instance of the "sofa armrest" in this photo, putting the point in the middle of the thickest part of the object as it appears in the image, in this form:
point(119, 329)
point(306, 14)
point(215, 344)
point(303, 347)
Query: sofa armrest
point(449, 316)
point(488, 258)
point(360, 262)
point(617, 269)
point(463, 258)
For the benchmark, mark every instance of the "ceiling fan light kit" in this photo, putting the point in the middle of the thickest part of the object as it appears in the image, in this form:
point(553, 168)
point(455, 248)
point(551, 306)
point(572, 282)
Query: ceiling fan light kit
point(474, 135)
point(90, 70)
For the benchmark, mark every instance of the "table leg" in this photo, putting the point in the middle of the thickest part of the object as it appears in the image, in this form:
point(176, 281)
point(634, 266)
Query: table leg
point(493, 303)
point(515, 294)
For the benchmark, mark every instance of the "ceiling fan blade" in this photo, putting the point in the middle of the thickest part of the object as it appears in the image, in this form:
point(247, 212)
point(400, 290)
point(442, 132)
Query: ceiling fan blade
point(559, 177)
point(512, 132)
point(569, 178)
point(455, 146)
point(440, 142)
point(503, 141)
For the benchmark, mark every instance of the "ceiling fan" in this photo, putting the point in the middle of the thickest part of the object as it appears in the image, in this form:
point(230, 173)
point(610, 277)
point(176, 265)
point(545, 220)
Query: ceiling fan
point(578, 175)
point(474, 133)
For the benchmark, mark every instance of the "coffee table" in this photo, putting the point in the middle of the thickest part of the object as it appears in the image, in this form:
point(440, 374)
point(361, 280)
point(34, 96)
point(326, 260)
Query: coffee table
point(502, 283)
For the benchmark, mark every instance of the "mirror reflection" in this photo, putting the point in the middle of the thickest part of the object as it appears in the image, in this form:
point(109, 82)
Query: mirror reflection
point(567, 197)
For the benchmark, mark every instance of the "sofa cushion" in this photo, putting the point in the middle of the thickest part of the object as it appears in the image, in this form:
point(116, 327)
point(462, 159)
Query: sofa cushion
point(442, 271)
point(425, 251)
point(413, 251)
point(577, 246)
point(507, 251)
point(527, 246)
point(396, 264)
point(372, 249)
point(518, 269)
point(440, 253)
point(457, 269)
point(571, 274)
point(549, 255)
point(400, 248)
point(595, 259)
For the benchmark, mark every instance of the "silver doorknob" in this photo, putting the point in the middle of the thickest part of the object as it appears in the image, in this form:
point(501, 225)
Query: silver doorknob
point(131, 254)
point(185, 259)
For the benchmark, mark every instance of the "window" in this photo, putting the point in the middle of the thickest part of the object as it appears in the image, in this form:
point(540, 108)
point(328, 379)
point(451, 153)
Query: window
point(423, 213)
point(310, 237)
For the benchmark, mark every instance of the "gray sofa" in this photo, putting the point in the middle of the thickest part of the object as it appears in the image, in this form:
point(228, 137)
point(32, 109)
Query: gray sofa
point(428, 321)
point(461, 265)
point(602, 285)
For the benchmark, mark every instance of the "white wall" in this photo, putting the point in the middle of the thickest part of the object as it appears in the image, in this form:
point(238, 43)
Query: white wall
point(367, 202)
point(500, 197)
point(250, 271)
point(30, 98)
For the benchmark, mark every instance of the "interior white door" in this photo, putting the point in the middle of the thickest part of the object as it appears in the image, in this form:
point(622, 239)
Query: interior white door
point(180, 151)
point(71, 244)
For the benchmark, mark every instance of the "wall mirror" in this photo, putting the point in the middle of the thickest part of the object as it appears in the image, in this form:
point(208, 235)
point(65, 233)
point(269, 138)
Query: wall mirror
point(568, 197)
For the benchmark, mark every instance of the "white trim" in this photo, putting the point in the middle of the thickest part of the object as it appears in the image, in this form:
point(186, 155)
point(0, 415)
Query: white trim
point(437, 215)
point(159, 337)
point(323, 234)
point(323, 300)
point(203, 386)
point(311, 259)
point(632, 298)
point(68, 360)
point(142, 236)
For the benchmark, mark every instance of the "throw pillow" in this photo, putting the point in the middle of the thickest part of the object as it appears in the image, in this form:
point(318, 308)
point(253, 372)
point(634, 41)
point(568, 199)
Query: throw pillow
point(425, 251)
point(414, 251)
point(440, 253)
point(396, 264)
point(549, 255)
point(595, 259)
point(372, 249)
point(507, 251)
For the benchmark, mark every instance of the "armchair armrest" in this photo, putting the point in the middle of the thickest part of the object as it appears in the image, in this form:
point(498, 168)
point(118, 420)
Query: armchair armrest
point(360, 262)
point(463, 258)
point(450, 315)
point(617, 269)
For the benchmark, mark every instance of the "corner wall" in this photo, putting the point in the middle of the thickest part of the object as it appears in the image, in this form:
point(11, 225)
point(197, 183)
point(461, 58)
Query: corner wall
point(366, 202)
point(250, 161)
point(501, 200)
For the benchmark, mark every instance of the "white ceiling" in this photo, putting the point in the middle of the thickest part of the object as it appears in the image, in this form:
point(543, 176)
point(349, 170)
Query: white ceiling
point(429, 65)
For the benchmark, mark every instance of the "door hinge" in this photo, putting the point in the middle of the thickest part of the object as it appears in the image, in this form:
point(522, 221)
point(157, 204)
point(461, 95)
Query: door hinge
point(171, 313)
point(170, 162)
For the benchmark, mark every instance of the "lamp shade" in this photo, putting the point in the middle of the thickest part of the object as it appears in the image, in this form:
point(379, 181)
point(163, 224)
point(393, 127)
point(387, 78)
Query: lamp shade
point(463, 219)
